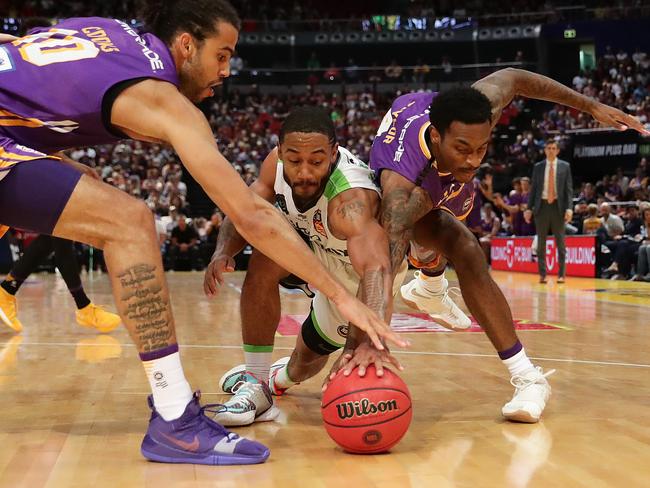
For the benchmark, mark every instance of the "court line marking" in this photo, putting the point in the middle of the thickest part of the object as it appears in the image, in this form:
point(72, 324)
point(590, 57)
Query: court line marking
point(411, 353)
point(235, 287)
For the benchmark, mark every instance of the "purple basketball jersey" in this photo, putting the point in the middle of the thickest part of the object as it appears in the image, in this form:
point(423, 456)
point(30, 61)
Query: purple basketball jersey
point(53, 81)
point(401, 146)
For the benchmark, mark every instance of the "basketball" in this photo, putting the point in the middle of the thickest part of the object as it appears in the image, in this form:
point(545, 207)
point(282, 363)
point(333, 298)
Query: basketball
point(369, 414)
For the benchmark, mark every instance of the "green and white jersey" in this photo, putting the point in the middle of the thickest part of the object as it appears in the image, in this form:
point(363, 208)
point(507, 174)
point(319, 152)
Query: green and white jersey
point(349, 172)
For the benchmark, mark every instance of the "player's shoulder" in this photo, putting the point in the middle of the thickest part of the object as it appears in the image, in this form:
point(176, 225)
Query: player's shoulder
point(92, 26)
point(420, 99)
point(349, 160)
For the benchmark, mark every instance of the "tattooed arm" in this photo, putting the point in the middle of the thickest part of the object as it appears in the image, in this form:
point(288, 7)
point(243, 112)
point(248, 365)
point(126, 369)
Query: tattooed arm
point(503, 85)
point(402, 205)
point(230, 242)
point(153, 110)
point(353, 216)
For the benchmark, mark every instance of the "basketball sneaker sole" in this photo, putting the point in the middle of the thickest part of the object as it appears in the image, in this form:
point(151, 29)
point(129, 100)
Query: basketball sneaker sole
point(160, 453)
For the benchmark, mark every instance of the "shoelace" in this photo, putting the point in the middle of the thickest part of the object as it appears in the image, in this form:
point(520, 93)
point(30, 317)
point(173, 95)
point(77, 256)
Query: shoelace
point(241, 381)
point(215, 426)
point(521, 382)
point(455, 291)
point(97, 308)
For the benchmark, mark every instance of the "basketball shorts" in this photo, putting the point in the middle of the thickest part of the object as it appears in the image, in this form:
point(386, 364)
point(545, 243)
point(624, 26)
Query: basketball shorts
point(34, 187)
point(325, 330)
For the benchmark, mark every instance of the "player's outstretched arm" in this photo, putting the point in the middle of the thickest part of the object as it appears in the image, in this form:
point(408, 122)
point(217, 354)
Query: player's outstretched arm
point(503, 85)
point(230, 242)
point(402, 205)
point(156, 111)
point(353, 216)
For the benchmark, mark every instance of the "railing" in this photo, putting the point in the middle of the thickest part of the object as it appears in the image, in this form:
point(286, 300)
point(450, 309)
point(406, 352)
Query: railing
point(429, 74)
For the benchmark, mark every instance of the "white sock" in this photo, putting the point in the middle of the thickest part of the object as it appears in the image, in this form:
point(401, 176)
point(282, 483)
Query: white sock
point(432, 284)
point(171, 391)
point(282, 378)
point(258, 361)
point(518, 364)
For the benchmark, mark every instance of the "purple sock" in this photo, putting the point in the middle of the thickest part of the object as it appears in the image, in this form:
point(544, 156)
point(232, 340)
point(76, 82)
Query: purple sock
point(508, 353)
point(160, 353)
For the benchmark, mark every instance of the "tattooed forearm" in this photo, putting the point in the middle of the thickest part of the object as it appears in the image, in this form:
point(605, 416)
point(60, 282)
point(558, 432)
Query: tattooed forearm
point(145, 306)
point(374, 291)
point(401, 209)
point(229, 242)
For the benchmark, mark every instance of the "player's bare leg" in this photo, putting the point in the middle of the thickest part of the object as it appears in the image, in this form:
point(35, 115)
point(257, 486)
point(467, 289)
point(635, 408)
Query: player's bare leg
point(123, 227)
point(303, 364)
point(441, 231)
point(260, 315)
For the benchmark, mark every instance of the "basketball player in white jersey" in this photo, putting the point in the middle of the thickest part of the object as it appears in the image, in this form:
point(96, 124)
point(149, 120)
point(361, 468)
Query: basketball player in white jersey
point(330, 198)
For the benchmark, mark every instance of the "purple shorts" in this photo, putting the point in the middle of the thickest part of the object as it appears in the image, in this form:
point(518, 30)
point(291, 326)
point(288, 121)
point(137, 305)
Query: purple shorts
point(34, 193)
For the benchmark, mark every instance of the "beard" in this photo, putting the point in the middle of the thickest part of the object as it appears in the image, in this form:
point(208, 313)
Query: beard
point(189, 84)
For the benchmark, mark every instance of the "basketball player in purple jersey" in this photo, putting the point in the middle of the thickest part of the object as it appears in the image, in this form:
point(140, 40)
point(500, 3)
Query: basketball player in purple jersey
point(93, 81)
point(427, 150)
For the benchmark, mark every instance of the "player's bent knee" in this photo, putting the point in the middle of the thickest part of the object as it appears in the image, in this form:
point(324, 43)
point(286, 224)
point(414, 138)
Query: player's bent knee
point(134, 222)
point(261, 268)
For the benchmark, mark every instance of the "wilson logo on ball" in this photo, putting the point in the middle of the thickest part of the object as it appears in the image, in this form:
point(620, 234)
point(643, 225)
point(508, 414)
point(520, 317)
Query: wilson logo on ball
point(347, 410)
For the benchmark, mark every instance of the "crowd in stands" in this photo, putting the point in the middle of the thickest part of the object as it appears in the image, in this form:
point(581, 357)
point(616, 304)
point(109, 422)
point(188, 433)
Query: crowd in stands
point(619, 79)
point(247, 125)
point(616, 209)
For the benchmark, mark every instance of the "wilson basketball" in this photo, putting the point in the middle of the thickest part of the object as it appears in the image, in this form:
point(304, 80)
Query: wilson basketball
point(367, 415)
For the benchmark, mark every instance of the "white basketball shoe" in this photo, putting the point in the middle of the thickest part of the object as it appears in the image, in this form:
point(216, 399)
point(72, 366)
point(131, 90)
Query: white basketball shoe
point(232, 379)
point(251, 402)
point(532, 391)
point(439, 306)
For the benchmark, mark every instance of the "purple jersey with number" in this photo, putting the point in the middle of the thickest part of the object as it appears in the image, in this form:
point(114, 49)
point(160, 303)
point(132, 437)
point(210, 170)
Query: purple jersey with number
point(53, 82)
point(401, 146)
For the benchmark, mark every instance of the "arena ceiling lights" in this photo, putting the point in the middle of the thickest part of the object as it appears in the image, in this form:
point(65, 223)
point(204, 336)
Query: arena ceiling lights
point(386, 37)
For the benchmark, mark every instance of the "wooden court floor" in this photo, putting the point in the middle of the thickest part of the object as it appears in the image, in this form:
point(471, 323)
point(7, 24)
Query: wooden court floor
point(73, 408)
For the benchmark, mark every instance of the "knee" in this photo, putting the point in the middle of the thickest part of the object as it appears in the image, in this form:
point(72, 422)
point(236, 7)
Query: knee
point(133, 222)
point(142, 217)
point(464, 248)
point(262, 270)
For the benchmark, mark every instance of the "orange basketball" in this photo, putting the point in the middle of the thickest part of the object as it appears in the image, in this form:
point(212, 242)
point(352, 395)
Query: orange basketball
point(367, 415)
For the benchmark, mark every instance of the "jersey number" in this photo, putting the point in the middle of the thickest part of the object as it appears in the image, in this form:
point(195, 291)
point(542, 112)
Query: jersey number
point(55, 46)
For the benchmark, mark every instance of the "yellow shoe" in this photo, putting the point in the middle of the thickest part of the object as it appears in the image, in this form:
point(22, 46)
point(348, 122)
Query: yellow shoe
point(96, 317)
point(8, 311)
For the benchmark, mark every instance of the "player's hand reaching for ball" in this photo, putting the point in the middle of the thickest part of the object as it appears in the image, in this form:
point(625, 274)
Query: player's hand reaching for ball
point(617, 119)
point(213, 277)
point(363, 356)
point(368, 321)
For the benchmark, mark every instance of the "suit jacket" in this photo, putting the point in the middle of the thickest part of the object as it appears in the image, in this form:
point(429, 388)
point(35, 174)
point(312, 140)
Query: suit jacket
point(564, 188)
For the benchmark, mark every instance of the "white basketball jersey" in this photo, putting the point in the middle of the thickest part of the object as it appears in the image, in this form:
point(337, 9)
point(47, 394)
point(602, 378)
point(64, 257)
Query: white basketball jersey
point(349, 172)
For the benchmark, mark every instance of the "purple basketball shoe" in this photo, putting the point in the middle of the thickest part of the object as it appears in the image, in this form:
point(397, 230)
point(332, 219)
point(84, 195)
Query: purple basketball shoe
point(195, 439)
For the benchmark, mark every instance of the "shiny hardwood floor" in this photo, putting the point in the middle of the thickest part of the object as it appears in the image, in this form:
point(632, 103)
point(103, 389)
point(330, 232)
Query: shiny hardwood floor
point(73, 409)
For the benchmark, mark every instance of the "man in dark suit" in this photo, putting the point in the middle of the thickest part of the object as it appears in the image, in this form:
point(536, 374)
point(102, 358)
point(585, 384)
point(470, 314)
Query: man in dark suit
point(550, 200)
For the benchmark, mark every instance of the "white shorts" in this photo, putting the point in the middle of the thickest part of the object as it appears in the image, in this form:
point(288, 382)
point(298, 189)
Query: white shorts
point(328, 322)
